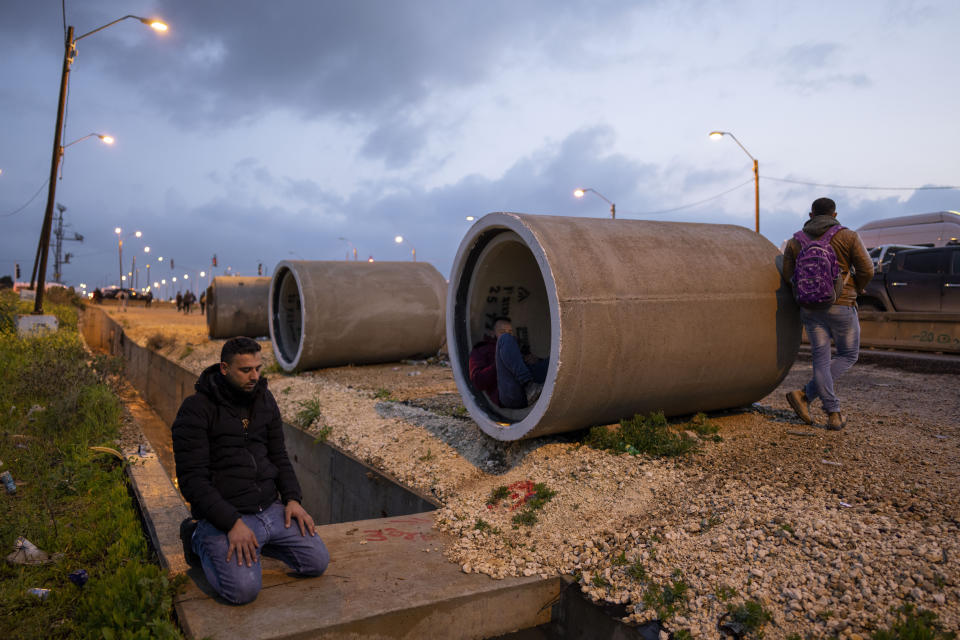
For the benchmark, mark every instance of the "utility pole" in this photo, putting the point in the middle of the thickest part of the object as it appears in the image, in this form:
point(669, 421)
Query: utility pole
point(59, 259)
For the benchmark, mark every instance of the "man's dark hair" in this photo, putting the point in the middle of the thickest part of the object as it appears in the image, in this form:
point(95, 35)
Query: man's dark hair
point(235, 346)
point(823, 207)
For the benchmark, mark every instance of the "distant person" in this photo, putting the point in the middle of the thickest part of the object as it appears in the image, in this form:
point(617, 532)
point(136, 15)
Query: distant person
point(148, 299)
point(232, 467)
point(122, 295)
point(188, 299)
point(827, 265)
point(97, 296)
point(498, 365)
point(179, 301)
point(203, 302)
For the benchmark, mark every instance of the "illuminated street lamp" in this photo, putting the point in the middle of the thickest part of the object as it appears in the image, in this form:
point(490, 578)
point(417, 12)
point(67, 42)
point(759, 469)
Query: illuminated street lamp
point(470, 218)
point(69, 53)
point(716, 135)
point(579, 193)
point(120, 237)
point(400, 240)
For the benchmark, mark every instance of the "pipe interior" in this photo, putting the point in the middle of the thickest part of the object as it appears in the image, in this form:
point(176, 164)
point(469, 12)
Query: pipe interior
point(287, 316)
point(505, 281)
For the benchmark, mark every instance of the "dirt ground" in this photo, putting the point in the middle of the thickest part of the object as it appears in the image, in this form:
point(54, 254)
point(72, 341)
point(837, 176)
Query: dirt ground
point(826, 530)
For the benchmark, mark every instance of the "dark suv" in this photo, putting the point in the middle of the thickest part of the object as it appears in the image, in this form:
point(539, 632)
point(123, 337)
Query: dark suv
point(923, 280)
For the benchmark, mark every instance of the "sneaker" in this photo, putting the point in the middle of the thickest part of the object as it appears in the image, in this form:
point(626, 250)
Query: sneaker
point(835, 421)
point(187, 527)
point(533, 390)
point(800, 405)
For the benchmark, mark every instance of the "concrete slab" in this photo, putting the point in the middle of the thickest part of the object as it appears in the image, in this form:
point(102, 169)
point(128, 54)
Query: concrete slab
point(32, 324)
point(381, 583)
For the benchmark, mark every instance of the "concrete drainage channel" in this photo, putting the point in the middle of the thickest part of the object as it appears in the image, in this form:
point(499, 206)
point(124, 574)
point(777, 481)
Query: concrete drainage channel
point(388, 577)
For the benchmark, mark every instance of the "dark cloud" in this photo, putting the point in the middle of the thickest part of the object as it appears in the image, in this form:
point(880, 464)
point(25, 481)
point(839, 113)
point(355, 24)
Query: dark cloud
point(812, 67)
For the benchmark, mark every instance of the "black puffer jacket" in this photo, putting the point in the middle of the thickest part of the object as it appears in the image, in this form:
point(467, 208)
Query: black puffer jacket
point(223, 468)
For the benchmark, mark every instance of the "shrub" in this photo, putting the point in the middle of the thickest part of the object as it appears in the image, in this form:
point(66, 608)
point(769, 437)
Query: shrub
point(650, 435)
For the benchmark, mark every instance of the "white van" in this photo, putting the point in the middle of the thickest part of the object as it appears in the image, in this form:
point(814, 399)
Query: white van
point(925, 230)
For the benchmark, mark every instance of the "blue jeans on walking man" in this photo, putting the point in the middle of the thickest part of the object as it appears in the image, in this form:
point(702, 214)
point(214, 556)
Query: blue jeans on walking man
point(841, 323)
point(239, 584)
point(513, 374)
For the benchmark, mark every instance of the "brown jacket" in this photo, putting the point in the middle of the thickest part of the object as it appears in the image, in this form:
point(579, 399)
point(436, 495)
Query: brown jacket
point(852, 257)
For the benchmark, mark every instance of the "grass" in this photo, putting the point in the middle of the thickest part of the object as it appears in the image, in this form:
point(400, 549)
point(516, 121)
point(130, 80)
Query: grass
point(637, 571)
point(309, 413)
point(914, 624)
point(483, 525)
point(427, 457)
point(541, 496)
point(157, 341)
point(750, 616)
point(643, 435)
point(666, 599)
point(72, 501)
point(323, 434)
point(498, 494)
point(382, 394)
point(186, 351)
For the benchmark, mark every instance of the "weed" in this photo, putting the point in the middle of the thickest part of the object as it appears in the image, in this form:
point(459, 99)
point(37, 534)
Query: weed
point(323, 434)
point(460, 412)
point(636, 571)
point(186, 351)
point(498, 494)
point(666, 599)
point(427, 457)
point(157, 341)
point(649, 435)
point(750, 615)
point(308, 414)
point(914, 624)
point(620, 560)
point(599, 581)
point(541, 496)
point(701, 426)
point(682, 634)
point(724, 593)
point(825, 615)
point(484, 526)
point(382, 394)
point(787, 527)
point(286, 390)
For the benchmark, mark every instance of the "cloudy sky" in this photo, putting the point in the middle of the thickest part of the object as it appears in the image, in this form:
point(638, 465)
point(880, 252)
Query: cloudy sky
point(263, 131)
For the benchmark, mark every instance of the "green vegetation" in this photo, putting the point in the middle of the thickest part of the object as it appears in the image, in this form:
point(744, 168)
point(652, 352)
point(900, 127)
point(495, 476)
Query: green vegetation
point(483, 525)
point(913, 624)
point(620, 560)
point(599, 581)
point(647, 435)
point(308, 414)
point(636, 571)
point(323, 434)
point(498, 494)
point(541, 496)
point(666, 599)
point(382, 394)
point(158, 341)
point(751, 616)
point(427, 457)
point(724, 593)
point(71, 501)
point(186, 351)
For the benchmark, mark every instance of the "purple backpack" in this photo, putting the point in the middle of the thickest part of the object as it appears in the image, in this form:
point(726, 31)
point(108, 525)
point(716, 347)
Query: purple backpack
point(816, 279)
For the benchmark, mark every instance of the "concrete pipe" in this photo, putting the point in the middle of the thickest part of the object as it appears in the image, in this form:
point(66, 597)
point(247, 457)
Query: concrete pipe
point(634, 317)
point(326, 314)
point(237, 307)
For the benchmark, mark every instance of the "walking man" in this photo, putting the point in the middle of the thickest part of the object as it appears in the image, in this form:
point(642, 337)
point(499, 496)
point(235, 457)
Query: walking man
point(232, 467)
point(827, 265)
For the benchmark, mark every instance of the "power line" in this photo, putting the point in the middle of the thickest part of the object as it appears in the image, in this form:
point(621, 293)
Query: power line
point(692, 204)
point(845, 186)
point(27, 203)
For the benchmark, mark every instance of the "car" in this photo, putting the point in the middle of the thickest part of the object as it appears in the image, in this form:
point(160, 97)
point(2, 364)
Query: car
point(917, 280)
point(883, 254)
point(112, 292)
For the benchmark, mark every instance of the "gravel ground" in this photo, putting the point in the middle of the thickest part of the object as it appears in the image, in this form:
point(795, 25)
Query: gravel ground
point(827, 530)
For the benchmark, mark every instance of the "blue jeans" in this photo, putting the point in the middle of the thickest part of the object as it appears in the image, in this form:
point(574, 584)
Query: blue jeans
point(841, 323)
point(306, 555)
point(513, 374)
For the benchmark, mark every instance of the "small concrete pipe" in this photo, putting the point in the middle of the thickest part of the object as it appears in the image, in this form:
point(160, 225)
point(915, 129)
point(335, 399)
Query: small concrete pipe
point(634, 316)
point(237, 307)
point(326, 314)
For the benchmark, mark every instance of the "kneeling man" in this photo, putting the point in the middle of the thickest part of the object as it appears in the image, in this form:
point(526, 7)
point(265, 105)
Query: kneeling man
point(232, 467)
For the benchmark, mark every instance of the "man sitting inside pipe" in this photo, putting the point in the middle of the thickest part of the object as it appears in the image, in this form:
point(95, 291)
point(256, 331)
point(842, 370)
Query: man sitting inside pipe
point(498, 367)
point(232, 467)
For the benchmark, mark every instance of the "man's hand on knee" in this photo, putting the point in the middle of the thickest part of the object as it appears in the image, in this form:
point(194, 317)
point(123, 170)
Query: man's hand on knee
point(295, 510)
point(242, 541)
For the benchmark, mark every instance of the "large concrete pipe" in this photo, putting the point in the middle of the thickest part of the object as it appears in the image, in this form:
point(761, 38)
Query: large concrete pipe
point(325, 314)
point(237, 307)
point(634, 316)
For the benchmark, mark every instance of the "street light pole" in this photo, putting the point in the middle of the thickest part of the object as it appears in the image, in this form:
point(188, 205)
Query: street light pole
point(69, 48)
point(579, 193)
point(716, 135)
point(69, 52)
